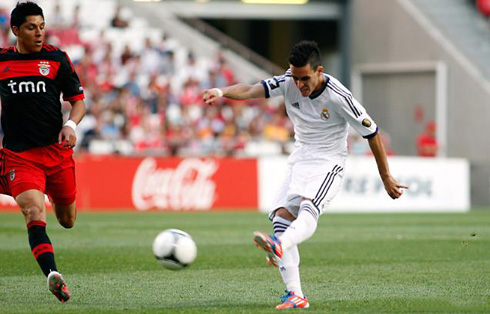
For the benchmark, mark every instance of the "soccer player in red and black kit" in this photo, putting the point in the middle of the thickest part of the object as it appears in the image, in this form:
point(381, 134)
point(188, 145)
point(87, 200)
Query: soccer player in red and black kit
point(36, 158)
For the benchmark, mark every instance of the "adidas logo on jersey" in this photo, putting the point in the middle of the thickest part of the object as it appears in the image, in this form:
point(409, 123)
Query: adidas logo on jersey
point(296, 105)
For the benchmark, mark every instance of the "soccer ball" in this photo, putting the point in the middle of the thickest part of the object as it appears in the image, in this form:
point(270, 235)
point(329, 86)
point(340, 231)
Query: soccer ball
point(174, 249)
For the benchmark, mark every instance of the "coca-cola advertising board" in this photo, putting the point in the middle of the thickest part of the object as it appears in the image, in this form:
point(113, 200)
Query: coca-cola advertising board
point(173, 184)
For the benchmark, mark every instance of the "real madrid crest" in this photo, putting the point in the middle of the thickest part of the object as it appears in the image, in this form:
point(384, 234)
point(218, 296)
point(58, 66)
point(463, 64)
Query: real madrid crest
point(325, 114)
point(44, 68)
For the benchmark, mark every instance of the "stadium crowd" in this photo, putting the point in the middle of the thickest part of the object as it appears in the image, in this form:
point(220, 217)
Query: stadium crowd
point(145, 101)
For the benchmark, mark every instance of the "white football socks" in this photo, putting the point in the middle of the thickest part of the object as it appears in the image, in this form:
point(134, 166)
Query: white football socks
point(291, 234)
point(289, 264)
point(302, 228)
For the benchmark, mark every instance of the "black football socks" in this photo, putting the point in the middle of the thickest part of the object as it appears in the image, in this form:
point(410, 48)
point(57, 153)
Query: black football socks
point(41, 246)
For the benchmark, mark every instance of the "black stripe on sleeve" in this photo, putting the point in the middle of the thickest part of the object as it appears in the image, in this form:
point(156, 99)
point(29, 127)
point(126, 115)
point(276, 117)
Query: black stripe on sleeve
point(347, 97)
point(372, 135)
point(266, 89)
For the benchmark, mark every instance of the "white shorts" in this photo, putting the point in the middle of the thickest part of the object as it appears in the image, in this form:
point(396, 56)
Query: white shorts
point(311, 174)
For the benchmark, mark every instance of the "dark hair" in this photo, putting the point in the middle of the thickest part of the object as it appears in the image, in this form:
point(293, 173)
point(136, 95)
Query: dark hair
point(22, 10)
point(305, 52)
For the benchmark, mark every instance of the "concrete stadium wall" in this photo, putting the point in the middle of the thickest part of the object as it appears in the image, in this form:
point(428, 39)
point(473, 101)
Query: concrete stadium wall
point(387, 31)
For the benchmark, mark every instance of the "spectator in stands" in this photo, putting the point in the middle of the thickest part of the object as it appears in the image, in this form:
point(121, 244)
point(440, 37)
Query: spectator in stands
point(86, 130)
point(132, 84)
point(164, 79)
point(261, 117)
point(222, 69)
point(276, 129)
point(98, 45)
point(356, 144)
point(484, 7)
point(117, 20)
point(229, 138)
point(57, 21)
point(191, 94)
point(168, 63)
point(107, 69)
point(4, 28)
point(75, 20)
point(191, 70)
point(175, 137)
point(4, 18)
point(150, 58)
point(126, 54)
point(109, 129)
point(153, 94)
point(426, 142)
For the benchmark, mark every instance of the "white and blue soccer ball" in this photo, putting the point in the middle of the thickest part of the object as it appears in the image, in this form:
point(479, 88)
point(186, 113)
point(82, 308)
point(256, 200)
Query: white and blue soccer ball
point(174, 249)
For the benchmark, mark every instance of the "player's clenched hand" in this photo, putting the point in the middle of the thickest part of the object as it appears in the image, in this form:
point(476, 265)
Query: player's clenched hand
point(211, 95)
point(67, 137)
point(393, 188)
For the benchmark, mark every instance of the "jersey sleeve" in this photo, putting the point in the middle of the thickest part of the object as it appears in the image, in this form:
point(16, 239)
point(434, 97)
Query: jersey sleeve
point(68, 79)
point(275, 86)
point(357, 116)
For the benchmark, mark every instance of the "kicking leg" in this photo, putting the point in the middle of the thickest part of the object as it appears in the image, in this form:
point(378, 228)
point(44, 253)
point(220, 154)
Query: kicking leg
point(303, 227)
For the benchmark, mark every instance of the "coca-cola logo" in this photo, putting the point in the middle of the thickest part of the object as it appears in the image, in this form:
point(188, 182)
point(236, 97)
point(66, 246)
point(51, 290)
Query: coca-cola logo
point(187, 187)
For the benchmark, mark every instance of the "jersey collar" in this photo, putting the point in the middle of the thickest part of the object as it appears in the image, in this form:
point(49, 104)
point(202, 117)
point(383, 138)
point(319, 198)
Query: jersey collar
point(317, 93)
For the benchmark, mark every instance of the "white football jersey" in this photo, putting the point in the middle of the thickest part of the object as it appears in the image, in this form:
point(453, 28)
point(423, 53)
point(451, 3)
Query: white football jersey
point(323, 118)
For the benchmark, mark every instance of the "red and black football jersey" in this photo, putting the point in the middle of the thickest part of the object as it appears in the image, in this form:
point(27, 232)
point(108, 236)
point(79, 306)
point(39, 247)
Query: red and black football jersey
point(30, 89)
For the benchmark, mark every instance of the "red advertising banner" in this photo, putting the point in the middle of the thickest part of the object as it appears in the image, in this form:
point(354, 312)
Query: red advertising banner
point(146, 183)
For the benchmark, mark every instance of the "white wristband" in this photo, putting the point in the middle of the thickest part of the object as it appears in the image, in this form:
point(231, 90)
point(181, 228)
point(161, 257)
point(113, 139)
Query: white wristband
point(71, 124)
point(219, 91)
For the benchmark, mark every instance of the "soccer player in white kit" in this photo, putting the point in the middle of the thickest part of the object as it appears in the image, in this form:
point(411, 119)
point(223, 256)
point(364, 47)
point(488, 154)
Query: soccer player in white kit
point(321, 109)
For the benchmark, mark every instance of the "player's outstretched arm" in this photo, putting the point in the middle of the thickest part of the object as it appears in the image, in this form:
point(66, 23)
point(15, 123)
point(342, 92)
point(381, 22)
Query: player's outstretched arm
point(67, 135)
point(393, 188)
point(238, 92)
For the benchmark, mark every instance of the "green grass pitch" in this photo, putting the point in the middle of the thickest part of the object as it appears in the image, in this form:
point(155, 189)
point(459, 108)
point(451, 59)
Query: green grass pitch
point(369, 263)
